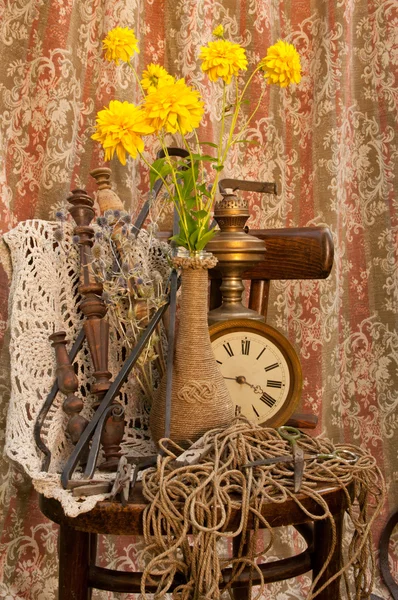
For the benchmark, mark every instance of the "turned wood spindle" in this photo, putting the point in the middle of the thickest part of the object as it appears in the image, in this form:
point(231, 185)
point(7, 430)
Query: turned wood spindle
point(108, 200)
point(68, 385)
point(106, 197)
point(96, 327)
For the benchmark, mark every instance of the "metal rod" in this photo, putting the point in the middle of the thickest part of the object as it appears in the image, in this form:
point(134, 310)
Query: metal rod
point(171, 338)
point(170, 350)
point(95, 443)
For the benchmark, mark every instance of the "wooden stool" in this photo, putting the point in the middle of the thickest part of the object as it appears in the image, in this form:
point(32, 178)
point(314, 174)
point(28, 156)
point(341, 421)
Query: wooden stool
point(298, 253)
point(78, 573)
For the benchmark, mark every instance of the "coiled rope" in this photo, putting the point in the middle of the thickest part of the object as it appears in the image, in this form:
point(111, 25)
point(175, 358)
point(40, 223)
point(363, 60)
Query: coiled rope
point(199, 499)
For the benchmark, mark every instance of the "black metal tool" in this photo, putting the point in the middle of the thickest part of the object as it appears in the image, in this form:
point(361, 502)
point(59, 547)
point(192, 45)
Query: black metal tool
point(113, 409)
point(141, 464)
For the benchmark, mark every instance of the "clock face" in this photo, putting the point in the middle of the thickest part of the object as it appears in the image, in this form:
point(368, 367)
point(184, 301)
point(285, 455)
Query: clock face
point(260, 367)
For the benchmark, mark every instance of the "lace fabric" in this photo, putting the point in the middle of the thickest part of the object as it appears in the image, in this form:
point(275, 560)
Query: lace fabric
point(44, 299)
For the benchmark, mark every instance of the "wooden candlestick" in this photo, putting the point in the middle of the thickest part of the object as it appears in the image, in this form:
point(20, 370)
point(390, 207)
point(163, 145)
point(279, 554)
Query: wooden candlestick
point(96, 327)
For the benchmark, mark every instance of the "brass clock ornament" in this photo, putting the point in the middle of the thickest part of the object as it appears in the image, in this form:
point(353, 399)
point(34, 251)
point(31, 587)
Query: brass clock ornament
point(260, 367)
point(235, 249)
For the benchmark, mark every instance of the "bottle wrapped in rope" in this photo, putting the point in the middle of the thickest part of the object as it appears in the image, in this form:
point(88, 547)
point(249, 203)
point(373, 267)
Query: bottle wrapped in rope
point(200, 399)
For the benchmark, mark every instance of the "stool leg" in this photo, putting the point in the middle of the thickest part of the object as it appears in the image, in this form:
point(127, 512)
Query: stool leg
point(322, 545)
point(93, 556)
point(74, 557)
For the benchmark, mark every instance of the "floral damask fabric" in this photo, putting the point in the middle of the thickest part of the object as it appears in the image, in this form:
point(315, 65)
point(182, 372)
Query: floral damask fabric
point(331, 146)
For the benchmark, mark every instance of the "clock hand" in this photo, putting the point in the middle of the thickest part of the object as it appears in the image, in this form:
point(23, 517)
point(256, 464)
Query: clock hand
point(242, 380)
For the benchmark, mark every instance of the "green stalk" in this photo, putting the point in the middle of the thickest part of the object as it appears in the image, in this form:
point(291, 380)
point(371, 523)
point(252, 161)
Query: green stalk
point(192, 163)
point(250, 118)
point(219, 150)
point(234, 121)
point(180, 209)
point(137, 79)
point(239, 99)
point(249, 81)
point(199, 151)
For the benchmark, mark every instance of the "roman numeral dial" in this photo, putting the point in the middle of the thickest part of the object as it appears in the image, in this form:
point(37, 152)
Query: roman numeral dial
point(260, 368)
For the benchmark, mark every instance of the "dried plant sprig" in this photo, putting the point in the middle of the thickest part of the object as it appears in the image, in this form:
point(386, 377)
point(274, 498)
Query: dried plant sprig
point(131, 292)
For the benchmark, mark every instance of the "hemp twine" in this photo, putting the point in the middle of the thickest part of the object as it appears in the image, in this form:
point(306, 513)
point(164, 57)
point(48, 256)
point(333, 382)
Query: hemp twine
point(198, 499)
point(200, 398)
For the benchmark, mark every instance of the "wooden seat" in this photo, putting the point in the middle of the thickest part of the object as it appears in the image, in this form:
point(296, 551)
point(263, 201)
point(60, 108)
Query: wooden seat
point(78, 573)
point(305, 253)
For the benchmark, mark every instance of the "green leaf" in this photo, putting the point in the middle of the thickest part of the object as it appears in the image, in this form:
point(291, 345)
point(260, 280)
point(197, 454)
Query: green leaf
point(190, 202)
point(181, 164)
point(203, 190)
point(192, 224)
point(162, 169)
point(189, 178)
point(208, 144)
point(217, 168)
point(193, 237)
point(179, 240)
point(204, 240)
point(201, 214)
point(204, 157)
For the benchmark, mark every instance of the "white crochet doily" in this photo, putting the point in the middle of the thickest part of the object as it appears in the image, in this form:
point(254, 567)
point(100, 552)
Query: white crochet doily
point(43, 299)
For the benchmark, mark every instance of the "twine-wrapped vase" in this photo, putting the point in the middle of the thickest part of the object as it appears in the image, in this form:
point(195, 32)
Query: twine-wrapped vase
point(200, 399)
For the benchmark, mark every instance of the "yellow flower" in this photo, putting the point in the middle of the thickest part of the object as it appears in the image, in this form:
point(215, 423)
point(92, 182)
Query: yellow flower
point(223, 59)
point(120, 44)
point(120, 128)
point(176, 107)
point(282, 65)
point(155, 76)
point(218, 31)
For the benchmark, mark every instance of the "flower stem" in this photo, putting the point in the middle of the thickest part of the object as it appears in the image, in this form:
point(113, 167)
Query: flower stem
point(137, 79)
point(198, 198)
point(247, 123)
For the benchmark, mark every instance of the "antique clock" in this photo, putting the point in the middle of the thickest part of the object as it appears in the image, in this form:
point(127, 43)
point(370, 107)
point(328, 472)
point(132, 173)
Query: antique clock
point(260, 367)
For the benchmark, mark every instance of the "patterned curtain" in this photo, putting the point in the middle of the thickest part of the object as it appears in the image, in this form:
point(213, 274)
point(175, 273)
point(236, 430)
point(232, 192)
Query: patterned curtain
point(331, 146)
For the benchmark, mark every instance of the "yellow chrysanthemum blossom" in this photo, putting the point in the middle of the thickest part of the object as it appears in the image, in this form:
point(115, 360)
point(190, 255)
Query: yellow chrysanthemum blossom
point(218, 31)
point(174, 107)
point(120, 44)
point(282, 65)
point(223, 59)
point(119, 128)
point(154, 77)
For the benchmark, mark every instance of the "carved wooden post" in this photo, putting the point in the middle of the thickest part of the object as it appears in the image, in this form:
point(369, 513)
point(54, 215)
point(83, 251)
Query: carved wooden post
point(96, 327)
point(106, 197)
point(68, 385)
